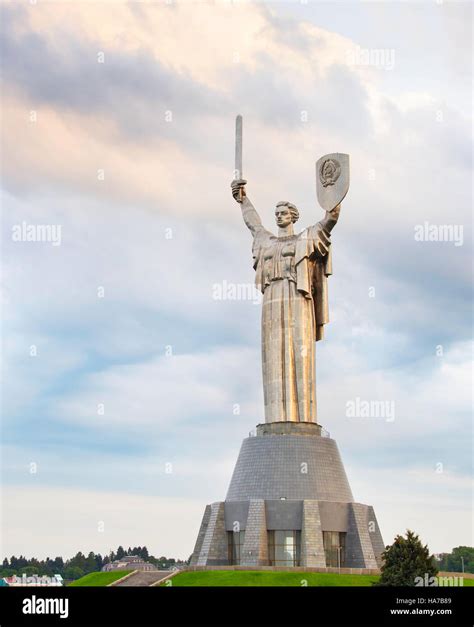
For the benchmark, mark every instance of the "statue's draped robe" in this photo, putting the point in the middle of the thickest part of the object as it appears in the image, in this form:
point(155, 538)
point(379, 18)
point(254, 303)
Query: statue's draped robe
point(292, 274)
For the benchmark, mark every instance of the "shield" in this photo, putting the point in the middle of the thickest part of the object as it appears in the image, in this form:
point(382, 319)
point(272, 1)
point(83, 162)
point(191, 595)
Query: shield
point(332, 179)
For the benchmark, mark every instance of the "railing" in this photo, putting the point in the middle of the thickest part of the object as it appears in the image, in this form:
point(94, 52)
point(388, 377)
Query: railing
point(324, 433)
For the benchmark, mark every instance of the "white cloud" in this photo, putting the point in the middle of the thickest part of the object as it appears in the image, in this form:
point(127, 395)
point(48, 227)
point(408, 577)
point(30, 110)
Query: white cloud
point(46, 522)
point(437, 506)
point(165, 392)
point(422, 396)
point(407, 167)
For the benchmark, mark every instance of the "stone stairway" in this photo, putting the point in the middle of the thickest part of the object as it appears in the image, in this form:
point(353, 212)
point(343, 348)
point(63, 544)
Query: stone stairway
point(144, 578)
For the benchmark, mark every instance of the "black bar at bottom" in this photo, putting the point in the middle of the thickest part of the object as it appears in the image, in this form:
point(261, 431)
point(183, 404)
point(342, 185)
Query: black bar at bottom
point(239, 606)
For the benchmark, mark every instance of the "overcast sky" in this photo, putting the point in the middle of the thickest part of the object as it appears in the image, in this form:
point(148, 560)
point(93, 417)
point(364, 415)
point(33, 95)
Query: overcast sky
point(127, 387)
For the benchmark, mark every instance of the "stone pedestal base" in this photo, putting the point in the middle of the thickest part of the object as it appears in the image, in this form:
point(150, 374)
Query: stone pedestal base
point(289, 478)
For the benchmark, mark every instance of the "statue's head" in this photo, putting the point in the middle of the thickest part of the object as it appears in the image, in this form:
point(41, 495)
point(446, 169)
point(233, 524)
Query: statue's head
point(286, 213)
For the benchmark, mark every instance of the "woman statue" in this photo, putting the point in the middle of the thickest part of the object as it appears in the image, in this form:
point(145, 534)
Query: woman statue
point(291, 271)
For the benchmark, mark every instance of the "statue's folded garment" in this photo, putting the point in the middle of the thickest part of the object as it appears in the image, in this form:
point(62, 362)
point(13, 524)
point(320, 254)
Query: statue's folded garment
point(292, 273)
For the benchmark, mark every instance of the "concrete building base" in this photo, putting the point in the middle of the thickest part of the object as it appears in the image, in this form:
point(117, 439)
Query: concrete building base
point(289, 478)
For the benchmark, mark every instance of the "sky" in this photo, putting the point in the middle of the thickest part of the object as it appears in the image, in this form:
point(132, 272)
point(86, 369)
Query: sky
point(128, 386)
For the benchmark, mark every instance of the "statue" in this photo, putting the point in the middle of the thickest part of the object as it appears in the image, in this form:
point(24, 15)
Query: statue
point(291, 272)
point(289, 502)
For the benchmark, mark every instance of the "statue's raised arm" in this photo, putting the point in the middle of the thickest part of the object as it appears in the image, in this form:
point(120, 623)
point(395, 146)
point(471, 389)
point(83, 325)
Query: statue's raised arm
point(249, 213)
point(330, 219)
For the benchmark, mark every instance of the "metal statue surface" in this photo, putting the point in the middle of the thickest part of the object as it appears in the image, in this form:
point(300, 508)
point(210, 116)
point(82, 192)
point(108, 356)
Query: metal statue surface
point(291, 271)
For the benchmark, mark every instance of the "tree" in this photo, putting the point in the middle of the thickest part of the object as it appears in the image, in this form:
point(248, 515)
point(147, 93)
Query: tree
point(21, 561)
point(34, 563)
point(47, 567)
point(8, 572)
point(99, 562)
point(73, 572)
point(453, 562)
point(90, 563)
point(120, 553)
point(58, 566)
point(76, 566)
point(405, 560)
point(459, 555)
point(78, 560)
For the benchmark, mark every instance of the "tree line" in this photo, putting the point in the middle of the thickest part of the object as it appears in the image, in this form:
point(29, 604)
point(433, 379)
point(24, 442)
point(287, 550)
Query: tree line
point(80, 564)
point(453, 562)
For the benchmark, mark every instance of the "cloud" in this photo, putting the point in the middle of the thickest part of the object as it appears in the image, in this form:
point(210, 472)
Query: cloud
point(436, 505)
point(420, 499)
point(161, 229)
point(167, 393)
point(167, 526)
point(133, 88)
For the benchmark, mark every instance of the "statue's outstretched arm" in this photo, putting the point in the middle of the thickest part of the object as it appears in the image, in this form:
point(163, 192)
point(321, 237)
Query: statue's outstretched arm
point(330, 219)
point(250, 216)
point(249, 213)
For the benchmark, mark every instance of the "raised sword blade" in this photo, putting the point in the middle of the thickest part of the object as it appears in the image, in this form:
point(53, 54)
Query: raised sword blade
point(238, 148)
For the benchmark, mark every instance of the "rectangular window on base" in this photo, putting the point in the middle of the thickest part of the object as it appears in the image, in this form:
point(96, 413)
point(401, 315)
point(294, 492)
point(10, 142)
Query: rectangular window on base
point(235, 546)
point(284, 547)
point(335, 548)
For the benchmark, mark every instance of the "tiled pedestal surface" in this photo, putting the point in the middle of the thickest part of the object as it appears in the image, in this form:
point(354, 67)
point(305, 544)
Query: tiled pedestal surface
point(289, 477)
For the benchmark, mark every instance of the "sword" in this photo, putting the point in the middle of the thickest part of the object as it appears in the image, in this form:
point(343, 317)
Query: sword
point(238, 152)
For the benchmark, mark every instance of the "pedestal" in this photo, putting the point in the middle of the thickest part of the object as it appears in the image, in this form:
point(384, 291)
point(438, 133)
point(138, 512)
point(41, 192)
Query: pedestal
point(289, 504)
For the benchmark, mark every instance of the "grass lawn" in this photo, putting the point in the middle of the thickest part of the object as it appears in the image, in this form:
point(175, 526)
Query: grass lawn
point(100, 579)
point(268, 578)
